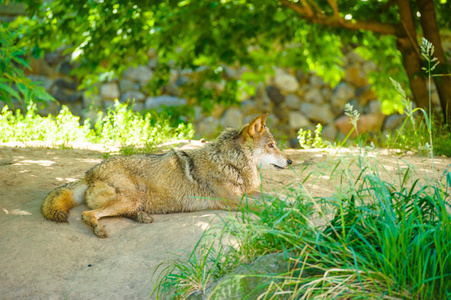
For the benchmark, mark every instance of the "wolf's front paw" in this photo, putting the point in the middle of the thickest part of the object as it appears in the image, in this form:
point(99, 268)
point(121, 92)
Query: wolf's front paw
point(100, 231)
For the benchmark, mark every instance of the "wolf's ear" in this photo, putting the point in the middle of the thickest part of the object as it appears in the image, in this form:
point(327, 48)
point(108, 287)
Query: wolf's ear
point(256, 126)
point(264, 117)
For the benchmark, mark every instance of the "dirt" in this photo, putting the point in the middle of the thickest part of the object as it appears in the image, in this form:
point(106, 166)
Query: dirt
point(45, 260)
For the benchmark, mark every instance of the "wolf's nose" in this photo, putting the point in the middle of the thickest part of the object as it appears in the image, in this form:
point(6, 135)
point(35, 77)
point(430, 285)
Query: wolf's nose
point(289, 161)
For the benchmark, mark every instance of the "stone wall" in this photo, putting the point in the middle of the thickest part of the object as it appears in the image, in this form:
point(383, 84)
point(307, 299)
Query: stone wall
point(293, 98)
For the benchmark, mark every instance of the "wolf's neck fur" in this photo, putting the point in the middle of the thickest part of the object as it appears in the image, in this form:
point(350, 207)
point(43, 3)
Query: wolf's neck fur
point(231, 149)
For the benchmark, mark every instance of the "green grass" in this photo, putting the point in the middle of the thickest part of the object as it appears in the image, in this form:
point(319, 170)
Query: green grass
point(306, 140)
point(424, 131)
point(416, 139)
point(120, 126)
point(371, 239)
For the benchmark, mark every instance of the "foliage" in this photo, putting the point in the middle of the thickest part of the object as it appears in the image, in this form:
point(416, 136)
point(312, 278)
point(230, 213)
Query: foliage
point(124, 126)
point(277, 226)
point(418, 134)
point(13, 83)
point(120, 126)
point(30, 126)
point(414, 136)
point(107, 37)
point(388, 59)
point(193, 271)
point(441, 139)
point(353, 114)
point(383, 241)
point(400, 232)
point(306, 140)
point(218, 91)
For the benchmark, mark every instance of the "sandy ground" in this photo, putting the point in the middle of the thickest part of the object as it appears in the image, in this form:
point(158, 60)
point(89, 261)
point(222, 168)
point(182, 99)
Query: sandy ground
point(45, 260)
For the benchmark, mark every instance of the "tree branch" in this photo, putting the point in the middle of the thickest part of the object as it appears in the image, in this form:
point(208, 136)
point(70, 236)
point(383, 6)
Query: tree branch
point(308, 10)
point(334, 21)
point(317, 8)
point(333, 4)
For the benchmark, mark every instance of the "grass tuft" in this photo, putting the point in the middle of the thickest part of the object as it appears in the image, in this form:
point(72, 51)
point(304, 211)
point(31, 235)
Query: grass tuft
point(120, 126)
point(372, 239)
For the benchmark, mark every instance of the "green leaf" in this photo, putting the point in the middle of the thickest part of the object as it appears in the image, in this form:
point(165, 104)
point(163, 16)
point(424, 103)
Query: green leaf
point(10, 90)
point(24, 90)
point(36, 52)
point(6, 97)
point(22, 61)
point(42, 94)
point(18, 52)
point(255, 77)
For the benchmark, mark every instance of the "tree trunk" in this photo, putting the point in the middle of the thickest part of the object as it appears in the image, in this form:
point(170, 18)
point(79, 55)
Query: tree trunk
point(406, 43)
point(431, 33)
point(408, 46)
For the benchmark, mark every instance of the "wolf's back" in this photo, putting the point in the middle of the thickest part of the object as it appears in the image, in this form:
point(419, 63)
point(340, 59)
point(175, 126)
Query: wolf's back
point(58, 203)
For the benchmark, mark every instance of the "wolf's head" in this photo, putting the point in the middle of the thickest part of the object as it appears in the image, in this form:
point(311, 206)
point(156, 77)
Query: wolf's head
point(265, 151)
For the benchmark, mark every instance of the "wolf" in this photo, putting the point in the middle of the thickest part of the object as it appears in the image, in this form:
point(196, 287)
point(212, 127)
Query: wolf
point(215, 176)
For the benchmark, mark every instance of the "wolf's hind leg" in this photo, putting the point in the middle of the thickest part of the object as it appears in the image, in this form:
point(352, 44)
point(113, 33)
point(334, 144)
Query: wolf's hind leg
point(116, 208)
point(140, 217)
point(91, 220)
point(108, 202)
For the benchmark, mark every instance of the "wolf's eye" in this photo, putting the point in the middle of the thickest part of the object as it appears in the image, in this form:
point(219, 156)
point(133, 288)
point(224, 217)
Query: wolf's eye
point(270, 145)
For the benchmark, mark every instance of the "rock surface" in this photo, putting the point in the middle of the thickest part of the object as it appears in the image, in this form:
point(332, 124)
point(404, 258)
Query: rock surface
point(247, 280)
point(294, 98)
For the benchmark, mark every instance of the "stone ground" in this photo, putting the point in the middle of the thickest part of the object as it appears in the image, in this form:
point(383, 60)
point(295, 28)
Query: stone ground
point(45, 260)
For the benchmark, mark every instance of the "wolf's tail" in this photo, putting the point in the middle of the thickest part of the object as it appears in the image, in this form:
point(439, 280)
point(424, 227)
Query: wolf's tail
point(58, 203)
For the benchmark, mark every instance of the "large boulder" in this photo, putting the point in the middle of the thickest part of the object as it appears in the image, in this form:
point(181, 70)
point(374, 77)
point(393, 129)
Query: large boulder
point(109, 91)
point(314, 95)
point(66, 96)
point(142, 74)
point(365, 94)
point(394, 122)
point(292, 101)
point(66, 84)
point(297, 120)
point(342, 94)
point(368, 67)
point(285, 81)
point(262, 99)
point(126, 84)
point(94, 101)
point(249, 107)
point(320, 113)
point(355, 76)
point(136, 96)
point(274, 94)
point(329, 132)
point(163, 101)
point(354, 57)
point(316, 81)
point(366, 123)
point(373, 107)
point(301, 76)
point(232, 118)
point(208, 127)
point(248, 281)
